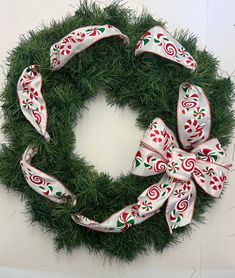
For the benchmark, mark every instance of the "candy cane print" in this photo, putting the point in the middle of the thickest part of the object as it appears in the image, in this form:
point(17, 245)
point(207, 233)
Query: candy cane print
point(191, 125)
point(216, 183)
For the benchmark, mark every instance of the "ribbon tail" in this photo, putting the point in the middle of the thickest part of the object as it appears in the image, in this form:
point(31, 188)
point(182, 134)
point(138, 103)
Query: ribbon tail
point(117, 222)
point(42, 183)
point(180, 205)
point(148, 204)
point(155, 196)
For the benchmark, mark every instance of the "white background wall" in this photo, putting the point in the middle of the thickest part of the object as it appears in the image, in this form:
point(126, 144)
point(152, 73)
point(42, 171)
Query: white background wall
point(210, 252)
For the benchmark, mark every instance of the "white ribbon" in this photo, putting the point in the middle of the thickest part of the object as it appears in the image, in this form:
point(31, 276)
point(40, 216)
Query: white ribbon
point(43, 183)
point(160, 42)
point(31, 100)
point(80, 39)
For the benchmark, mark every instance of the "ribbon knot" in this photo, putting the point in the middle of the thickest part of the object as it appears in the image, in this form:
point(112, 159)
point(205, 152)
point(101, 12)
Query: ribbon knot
point(206, 164)
point(181, 164)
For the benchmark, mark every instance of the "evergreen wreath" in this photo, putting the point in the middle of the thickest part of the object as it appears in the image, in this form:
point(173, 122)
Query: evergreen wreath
point(147, 84)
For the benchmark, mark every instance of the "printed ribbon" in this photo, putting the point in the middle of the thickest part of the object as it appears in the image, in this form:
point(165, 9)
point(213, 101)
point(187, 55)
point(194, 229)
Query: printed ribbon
point(206, 164)
point(42, 183)
point(80, 39)
point(160, 42)
point(31, 100)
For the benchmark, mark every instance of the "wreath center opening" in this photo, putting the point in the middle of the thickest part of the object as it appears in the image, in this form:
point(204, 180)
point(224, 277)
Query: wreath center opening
point(107, 136)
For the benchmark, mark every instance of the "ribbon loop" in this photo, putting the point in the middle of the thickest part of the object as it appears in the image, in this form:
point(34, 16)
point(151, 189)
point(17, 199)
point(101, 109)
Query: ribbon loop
point(193, 116)
point(154, 150)
point(211, 151)
point(160, 42)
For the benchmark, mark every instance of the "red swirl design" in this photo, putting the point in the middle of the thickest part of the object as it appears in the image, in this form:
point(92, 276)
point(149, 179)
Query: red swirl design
point(160, 166)
point(182, 205)
point(188, 103)
point(170, 49)
point(37, 116)
point(153, 192)
point(188, 164)
point(37, 179)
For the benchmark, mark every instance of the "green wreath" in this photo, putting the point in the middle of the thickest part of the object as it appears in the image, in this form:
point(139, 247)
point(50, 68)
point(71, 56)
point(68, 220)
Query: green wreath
point(147, 84)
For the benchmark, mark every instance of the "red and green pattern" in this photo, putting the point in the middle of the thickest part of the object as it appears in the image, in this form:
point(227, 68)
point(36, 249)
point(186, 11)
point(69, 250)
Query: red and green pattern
point(208, 155)
point(153, 125)
point(209, 171)
point(158, 165)
point(167, 45)
point(31, 72)
point(144, 40)
point(149, 161)
point(37, 116)
point(160, 38)
point(175, 216)
point(138, 159)
point(146, 205)
point(219, 149)
point(96, 31)
point(125, 221)
point(199, 113)
point(190, 101)
point(173, 167)
point(183, 52)
point(56, 51)
point(45, 187)
point(27, 103)
point(166, 188)
point(179, 193)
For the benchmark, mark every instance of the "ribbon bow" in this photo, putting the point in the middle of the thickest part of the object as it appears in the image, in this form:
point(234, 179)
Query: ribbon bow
point(206, 165)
